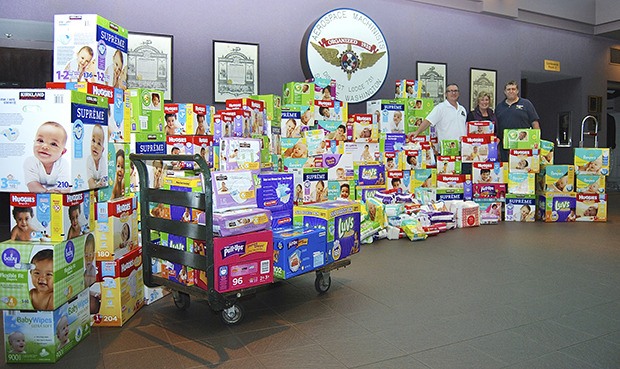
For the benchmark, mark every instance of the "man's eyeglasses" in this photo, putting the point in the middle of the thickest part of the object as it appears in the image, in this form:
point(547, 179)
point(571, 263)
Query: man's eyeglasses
point(452, 91)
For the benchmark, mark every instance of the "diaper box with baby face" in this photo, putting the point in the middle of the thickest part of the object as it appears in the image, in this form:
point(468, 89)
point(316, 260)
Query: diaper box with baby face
point(450, 147)
point(389, 115)
point(51, 216)
point(297, 251)
point(276, 191)
point(46, 336)
point(364, 130)
point(331, 110)
point(489, 172)
point(480, 127)
point(340, 219)
point(524, 160)
point(233, 189)
point(119, 289)
point(301, 93)
point(88, 47)
point(479, 148)
point(116, 100)
point(190, 145)
point(315, 182)
point(371, 174)
point(52, 140)
point(240, 153)
point(423, 178)
point(445, 181)
point(191, 119)
point(41, 276)
point(398, 180)
point(546, 152)
point(243, 261)
point(522, 183)
point(273, 107)
point(324, 88)
point(144, 111)
point(557, 207)
point(408, 88)
point(591, 207)
point(120, 173)
point(257, 118)
point(520, 208)
point(416, 109)
point(117, 228)
point(489, 190)
point(522, 139)
point(591, 161)
point(557, 178)
point(448, 165)
point(490, 211)
point(590, 183)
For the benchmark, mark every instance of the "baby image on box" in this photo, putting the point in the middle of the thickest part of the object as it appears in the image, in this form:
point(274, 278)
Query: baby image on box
point(46, 170)
point(41, 283)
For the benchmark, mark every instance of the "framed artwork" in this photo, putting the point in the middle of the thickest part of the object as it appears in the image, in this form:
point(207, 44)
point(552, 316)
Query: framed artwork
point(482, 80)
point(149, 62)
point(235, 70)
point(433, 77)
point(594, 104)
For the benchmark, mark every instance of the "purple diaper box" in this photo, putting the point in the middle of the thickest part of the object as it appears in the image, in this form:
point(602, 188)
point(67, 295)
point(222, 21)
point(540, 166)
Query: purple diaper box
point(233, 190)
point(241, 221)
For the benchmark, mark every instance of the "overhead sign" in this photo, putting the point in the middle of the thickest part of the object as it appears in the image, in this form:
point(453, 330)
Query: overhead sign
point(348, 46)
point(552, 65)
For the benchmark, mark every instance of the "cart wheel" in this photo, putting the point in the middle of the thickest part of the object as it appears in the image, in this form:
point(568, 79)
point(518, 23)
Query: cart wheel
point(322, 282)
point(181, 300)
point(233, 314)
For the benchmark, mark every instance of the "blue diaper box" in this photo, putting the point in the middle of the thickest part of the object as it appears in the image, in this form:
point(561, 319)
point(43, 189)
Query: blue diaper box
point(275, 192)
point(297, 251)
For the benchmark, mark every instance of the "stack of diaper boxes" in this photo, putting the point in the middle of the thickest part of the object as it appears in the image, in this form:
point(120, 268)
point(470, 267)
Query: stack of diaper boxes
point(48, 264)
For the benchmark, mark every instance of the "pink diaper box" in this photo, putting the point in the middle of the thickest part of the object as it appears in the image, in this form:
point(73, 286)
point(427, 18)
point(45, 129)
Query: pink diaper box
point(243, 261)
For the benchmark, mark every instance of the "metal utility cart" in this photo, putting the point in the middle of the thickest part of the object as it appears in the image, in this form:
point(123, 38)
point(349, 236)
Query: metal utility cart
point(225, 303)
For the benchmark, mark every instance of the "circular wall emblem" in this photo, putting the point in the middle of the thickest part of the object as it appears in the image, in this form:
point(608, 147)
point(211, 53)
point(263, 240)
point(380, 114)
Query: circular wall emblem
point(348, 46)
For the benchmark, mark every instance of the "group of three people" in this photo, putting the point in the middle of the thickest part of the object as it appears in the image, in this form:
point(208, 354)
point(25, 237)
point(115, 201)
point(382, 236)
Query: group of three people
point(449, 117)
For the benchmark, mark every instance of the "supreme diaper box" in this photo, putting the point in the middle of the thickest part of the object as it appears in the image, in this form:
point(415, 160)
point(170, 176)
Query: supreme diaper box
point(144, 111)
point(489, 172)
point(188, 119)
point(522, 183)
point(116, 101)
point(275, 192)
point(297, 251)
point(240, 153)
point(301, 93)
point(524, 160)
point(119, 172)
point(520, 208)
point(51, 139)
point(315, 185)
point(340, 219)
point(591, 161)
point(41, 276)
point(233, 189)
point(590, 183)
point(388, 115)
point(591, 207)
point(117, 227)
point(148, 143)
point(46, 336)
point(243, 261)
point(557, 178)
point(296, 119)
point(557, 207)
point(522, 139)
point(88, 47)
point(119, 288)
point(51, 216)
point(479, 148)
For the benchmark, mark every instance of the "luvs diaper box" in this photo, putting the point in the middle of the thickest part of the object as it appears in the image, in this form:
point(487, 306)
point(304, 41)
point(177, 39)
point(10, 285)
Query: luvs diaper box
point(243, 261)
point(88, 47)
point(52, 141)
point(557, 207)
point(119, 290)
point(42, 276)
point(297, 251)
point(340, 219)
point(46, 336)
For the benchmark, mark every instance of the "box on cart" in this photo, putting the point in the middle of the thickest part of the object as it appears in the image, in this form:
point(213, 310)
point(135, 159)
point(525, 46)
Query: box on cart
point(46, 336)
point(53, 140)
point(297, 251)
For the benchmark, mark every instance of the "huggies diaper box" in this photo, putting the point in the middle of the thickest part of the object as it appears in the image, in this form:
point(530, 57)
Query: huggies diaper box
point(116, 228)
point(340, 219)
point(591, 207)
point(480, 127)
point(297, 251)
point(88, 47)
point(51, 216)
point(41, 276)
point(488, 172)
point(191, 119)
point(120, 290)
point(524, 160)
point(257, 118)
point(52, 140)
point(243, 261)
point(46, 336)
point(479, 148)
point(190, 145)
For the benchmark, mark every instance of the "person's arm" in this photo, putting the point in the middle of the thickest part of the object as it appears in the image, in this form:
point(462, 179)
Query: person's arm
point(424, 125)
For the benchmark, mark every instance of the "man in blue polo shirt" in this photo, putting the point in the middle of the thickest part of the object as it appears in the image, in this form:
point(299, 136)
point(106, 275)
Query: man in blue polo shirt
point(513, 113)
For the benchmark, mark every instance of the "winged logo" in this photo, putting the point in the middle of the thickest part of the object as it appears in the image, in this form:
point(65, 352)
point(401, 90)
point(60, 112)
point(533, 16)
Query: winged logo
point(348, 60)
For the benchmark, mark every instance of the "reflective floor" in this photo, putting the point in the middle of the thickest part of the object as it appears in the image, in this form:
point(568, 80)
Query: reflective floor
point(513, 295)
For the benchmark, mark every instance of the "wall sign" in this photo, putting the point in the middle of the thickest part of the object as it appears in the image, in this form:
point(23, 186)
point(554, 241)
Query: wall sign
point(348, 46)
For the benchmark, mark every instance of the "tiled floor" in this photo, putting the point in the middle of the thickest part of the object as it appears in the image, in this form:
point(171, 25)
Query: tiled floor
point(503, 296)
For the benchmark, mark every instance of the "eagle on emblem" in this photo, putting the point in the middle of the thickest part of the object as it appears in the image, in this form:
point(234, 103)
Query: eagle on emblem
point(348, 60)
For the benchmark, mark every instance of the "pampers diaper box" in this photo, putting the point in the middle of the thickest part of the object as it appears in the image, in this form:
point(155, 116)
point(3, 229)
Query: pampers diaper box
point(51, 216)
point(50, 140)
point(119, 288)
point(117, 228)
point(297, 251)
point(46, 336)
point(120, 172)
point(591, 161)
point(88, 47)
point(41, 276)
point(243, 261)
point(340, 219)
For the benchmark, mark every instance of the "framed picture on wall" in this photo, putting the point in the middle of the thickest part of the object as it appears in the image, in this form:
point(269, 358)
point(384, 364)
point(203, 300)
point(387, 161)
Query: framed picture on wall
point(235, 70)
point(149, 62)
point(594, 104)
point(433, 77)
point(482, 80)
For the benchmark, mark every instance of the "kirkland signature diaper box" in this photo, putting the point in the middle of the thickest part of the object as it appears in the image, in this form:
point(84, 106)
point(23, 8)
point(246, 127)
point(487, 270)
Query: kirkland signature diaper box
point(52, 140)
point(46, 336)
